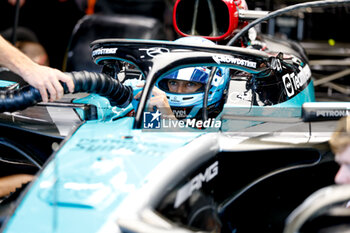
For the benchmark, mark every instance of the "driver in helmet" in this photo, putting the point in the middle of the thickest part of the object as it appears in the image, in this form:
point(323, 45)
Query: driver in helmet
point(179, 94)
point(185, 91)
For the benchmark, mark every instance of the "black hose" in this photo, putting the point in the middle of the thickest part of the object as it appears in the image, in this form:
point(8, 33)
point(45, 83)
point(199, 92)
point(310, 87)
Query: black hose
point(104, 85)
point(89, 82)
point(18, 99)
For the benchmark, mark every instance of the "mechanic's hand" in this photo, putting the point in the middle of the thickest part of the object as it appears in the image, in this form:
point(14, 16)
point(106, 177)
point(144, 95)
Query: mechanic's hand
point(158, 100)
point(46, 80)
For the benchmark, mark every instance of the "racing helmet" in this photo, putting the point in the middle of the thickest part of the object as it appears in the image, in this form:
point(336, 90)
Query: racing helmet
point(189, 105)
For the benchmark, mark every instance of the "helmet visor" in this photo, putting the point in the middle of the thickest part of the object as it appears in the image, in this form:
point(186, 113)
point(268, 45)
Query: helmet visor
point(176, 86)
point(185, 81)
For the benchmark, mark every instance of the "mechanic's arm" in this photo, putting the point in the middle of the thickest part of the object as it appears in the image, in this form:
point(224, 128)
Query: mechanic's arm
point(160, 101)
point(44, 78)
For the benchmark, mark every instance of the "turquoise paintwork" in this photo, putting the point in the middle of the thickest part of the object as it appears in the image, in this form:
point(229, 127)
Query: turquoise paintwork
point(105, 112)
point(307, 95)
point(96, 168)
point(4, 83)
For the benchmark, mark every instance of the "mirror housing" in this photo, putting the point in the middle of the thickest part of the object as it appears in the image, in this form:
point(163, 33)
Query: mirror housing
point(215, 20)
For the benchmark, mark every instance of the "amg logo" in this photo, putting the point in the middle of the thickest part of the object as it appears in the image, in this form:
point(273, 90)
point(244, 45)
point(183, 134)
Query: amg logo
point(196, 183)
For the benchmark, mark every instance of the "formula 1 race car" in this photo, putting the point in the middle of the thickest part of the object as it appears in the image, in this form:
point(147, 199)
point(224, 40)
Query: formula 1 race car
point(237, 154)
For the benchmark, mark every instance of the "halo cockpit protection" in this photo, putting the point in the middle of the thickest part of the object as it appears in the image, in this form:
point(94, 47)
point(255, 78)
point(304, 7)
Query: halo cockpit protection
point(196, 79)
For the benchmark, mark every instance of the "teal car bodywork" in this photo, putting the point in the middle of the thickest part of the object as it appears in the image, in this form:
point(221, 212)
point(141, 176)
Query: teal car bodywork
point(107, 168)
point(90, 176)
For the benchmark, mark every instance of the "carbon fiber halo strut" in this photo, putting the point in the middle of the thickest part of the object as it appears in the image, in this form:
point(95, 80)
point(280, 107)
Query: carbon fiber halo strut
point(90, 82)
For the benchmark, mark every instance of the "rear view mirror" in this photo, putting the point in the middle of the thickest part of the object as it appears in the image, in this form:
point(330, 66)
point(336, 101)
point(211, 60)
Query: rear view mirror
point(213, 19)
